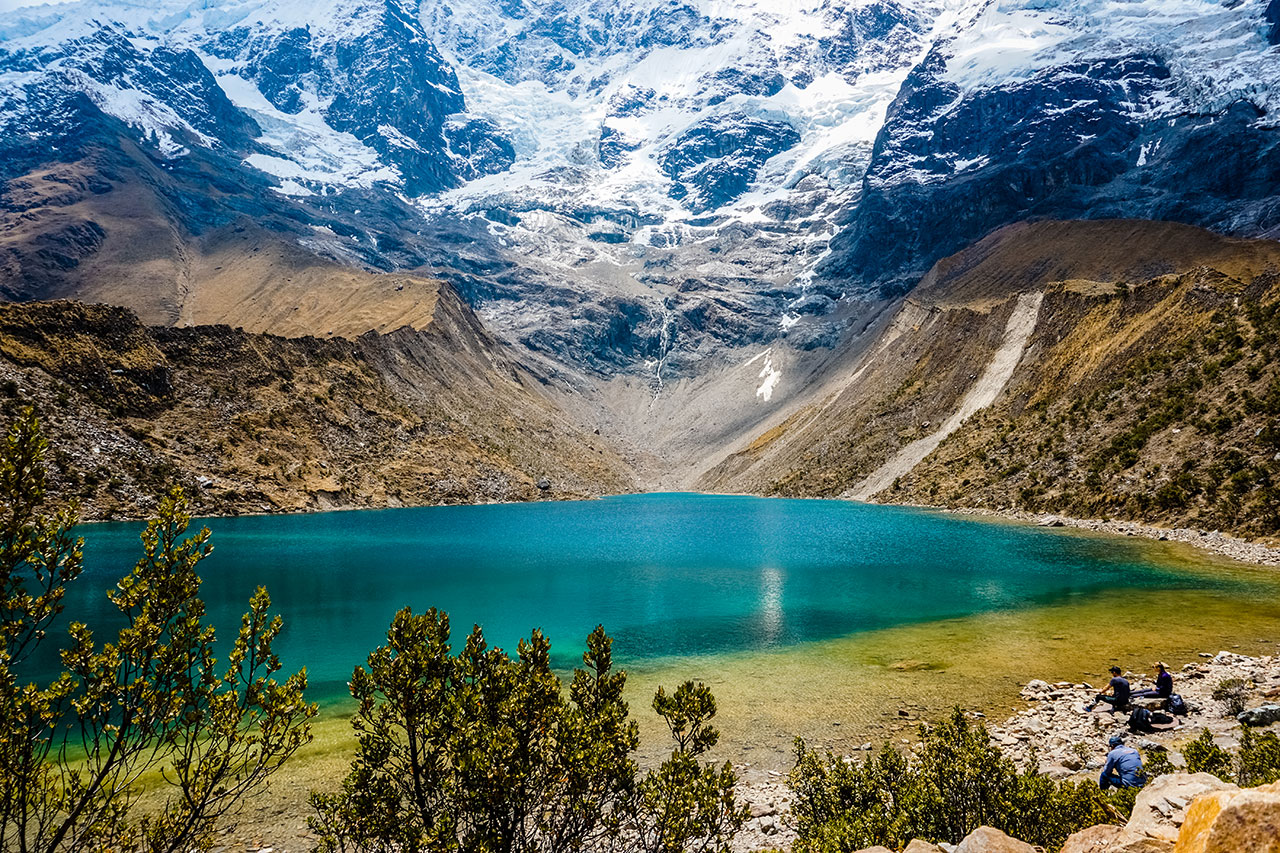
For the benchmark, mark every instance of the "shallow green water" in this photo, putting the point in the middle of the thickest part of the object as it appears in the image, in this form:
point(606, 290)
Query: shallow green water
point(687, 582)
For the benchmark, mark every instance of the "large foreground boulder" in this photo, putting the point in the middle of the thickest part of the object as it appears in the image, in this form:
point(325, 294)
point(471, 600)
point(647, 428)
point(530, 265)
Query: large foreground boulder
point(1108, 838)
point(1162, 806)
point(1239, 821)
point(984, 839)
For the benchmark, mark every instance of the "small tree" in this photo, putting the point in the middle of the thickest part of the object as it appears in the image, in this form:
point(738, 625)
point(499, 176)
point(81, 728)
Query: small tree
point(479, 751)
point(73, 751)
point(1205, 756)
point(686, 805)
point(1258, 761)
point(482, 752)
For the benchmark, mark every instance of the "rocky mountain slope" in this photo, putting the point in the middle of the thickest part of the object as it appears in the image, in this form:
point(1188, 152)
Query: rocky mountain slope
point(260, 423)
point(1141, 386)
point(693, 222)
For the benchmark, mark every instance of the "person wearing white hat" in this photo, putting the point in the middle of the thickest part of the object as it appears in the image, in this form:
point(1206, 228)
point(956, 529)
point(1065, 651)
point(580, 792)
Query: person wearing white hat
point(1164, 685)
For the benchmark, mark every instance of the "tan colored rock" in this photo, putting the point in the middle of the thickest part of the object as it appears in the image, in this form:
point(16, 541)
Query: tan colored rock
point(984, 839)
point(1162, 805)
point(918, 846)
point(876, 849)
point(1127, 842)
point(1240, 821)
point(1095, 839)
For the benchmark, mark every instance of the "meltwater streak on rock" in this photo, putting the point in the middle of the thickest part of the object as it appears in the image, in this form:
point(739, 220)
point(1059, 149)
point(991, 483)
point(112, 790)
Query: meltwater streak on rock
point(1022, 322)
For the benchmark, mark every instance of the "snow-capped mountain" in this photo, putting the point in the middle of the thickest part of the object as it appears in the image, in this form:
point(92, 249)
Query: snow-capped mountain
point(1079, 109)
point(645, 185)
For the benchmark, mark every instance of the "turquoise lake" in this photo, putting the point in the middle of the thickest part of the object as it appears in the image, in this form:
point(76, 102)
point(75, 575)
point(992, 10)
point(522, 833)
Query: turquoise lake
point(673, 577)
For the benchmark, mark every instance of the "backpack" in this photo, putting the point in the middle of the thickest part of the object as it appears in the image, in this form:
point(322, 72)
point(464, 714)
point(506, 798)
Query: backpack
point(1140, 721)
point(1175, 705)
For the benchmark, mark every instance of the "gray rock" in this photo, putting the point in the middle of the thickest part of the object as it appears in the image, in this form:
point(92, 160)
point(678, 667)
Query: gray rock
point(1263, 715)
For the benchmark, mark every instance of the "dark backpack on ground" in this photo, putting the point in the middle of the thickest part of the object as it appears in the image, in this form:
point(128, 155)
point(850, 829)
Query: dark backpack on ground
point(1140, 721)
point(1175, 705)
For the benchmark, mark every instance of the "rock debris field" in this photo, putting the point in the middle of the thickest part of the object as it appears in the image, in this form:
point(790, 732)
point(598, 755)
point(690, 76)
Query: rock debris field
point(1067, 741)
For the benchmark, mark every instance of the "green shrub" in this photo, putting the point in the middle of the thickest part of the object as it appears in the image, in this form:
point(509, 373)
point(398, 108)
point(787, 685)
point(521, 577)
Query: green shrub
point(482, 752)
point(956, 781)
point(1258, 760)
point(1156, 763)
point(1232, 693)
point(1205, 756)
point(151, 697)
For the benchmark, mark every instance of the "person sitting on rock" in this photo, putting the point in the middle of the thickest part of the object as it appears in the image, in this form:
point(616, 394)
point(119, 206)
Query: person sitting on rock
point(1117, 693)
point(1163, 688)
point(1123, 768)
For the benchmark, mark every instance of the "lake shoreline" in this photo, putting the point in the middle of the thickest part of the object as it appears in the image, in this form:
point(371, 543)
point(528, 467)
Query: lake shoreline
point(1215, 542)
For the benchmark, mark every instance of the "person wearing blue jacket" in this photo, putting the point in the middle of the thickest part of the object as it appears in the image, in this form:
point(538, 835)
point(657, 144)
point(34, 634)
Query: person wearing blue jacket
point(1123, 768)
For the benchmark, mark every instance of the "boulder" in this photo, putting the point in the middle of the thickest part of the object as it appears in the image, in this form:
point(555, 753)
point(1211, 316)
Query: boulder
point(876, 849)
point(918, 846)
point(1162, 805)
point(1108, 838)
point(1239, 821)
point(1095, 839)
point(1263, 715)
point(985, 839)
point(1127, 842)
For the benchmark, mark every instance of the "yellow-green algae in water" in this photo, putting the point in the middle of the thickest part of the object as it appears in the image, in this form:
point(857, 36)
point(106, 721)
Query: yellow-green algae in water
point(841, 693)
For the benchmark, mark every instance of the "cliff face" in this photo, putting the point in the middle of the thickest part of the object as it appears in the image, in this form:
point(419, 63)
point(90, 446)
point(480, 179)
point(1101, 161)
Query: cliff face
point(254, 422)
point(1146, 386)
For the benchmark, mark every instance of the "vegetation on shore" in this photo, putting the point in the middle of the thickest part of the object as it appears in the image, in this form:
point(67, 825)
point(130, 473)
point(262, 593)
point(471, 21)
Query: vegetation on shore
point(957, 780)
point(483, 752)
point(152, 697)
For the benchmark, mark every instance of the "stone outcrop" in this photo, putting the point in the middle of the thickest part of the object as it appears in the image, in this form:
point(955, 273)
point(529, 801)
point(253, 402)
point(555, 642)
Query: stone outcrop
point(1191, 813)
point(1263, 715)
point(1233, 821)
point(1162, 806)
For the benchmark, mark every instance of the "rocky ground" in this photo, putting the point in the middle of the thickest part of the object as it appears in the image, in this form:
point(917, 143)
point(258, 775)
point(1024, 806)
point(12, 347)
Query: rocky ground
point(1054, 730)
point(1213, 541)
point(1066, 740)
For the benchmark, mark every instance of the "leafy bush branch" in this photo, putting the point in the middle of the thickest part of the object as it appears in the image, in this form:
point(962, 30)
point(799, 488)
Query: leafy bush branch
point(480, 751)
point(74, 750)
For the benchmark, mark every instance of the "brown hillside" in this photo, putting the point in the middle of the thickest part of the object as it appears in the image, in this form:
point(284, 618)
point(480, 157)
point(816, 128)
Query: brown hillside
point(1153, 398)
point(108, 228)
point(256, 423)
